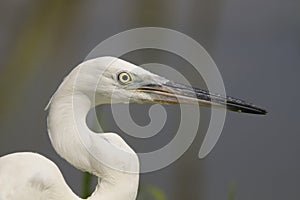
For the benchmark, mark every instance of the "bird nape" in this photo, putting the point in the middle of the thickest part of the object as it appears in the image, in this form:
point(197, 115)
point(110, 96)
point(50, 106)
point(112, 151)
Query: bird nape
point(103, 80)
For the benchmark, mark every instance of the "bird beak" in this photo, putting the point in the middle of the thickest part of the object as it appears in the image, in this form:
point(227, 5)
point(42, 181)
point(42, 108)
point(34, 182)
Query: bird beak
point(175, 93)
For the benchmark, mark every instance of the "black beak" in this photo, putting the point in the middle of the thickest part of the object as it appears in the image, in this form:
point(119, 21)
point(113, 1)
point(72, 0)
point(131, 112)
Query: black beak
point(175, 93)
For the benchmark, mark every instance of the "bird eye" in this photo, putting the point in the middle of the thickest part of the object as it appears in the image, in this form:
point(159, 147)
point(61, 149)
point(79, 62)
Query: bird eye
point(124, 77)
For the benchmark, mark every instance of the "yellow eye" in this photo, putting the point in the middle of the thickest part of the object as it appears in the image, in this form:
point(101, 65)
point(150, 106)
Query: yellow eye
point(124, 77)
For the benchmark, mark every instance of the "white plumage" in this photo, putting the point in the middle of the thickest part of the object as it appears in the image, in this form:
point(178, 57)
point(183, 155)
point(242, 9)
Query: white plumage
point(104, 80)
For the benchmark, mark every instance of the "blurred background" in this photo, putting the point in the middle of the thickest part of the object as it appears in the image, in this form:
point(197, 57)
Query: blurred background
point(255, 44)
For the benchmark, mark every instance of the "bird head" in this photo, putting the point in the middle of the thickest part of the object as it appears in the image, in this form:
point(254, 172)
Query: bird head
point(118, 81)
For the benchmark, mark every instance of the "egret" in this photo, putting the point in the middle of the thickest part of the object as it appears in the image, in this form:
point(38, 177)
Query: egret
point(103, 80)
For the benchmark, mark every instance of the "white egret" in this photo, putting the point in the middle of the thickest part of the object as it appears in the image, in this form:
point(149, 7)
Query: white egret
point(103, 80)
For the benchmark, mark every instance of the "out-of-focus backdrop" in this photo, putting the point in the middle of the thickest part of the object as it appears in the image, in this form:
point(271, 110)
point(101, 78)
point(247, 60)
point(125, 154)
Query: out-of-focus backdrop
point(255, 44)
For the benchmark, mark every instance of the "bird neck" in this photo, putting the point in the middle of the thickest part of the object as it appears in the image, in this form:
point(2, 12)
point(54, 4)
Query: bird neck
point(122, 190)
point(73, 140)
point(66, 125)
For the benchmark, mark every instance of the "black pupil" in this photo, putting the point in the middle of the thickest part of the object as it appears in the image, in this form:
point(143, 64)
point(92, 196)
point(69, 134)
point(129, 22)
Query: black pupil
point(125, 77)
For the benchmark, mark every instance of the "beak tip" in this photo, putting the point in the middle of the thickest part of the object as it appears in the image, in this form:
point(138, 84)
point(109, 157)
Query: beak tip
point(248, 110)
